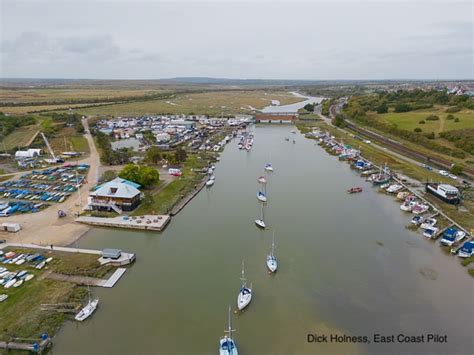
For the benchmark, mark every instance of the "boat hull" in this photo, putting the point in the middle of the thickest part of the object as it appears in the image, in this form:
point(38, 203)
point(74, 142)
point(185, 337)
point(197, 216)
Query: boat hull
point(451, 201)
point(260, 223)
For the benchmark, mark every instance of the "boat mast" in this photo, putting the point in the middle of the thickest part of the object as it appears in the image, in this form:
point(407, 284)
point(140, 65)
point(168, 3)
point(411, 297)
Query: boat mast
point(273, 243)
point(243, 276)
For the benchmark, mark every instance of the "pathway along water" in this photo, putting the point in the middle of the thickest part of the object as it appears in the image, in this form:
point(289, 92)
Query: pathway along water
point(347, 265)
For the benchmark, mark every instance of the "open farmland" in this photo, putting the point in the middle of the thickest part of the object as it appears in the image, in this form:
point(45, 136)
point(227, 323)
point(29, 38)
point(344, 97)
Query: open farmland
point(20, 95)
point(213, 103)
point(21, 137)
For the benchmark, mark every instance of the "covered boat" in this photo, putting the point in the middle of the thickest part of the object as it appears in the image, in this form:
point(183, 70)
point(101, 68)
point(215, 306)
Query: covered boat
point(467, 250)
point(451, 236)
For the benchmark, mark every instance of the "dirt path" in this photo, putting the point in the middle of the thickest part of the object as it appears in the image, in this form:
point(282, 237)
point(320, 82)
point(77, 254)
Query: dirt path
point(45, 227)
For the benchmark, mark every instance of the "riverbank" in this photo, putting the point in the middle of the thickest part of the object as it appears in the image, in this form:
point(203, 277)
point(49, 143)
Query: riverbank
point(333, 145)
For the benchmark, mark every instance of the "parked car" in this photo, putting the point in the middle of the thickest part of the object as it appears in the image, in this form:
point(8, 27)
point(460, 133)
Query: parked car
point(444, 172)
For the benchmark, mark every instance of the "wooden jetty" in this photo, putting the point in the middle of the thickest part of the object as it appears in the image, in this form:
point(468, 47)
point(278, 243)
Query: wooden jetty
point(36, 347)
point(90, 281)
point(181, 204)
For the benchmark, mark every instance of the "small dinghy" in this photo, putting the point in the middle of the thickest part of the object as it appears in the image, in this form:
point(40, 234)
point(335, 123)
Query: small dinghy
point(18, 283)
point(3, 297)
point(10, 283)
point(29, 277)
point(354, 190)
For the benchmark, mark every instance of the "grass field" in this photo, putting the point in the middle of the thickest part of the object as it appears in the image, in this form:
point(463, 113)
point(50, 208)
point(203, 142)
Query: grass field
point(20, 137)
point(68, 140)
point(17, 110)
point(21, 315)
point(213, 103)
point(410, 120)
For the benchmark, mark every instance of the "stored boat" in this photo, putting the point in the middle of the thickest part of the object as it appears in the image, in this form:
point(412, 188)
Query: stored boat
point(429, 222)
point(467, 250)
point(272, 263)
point(226, 344)
point(451, 236)
point(394, 188)
point(445, 192)
point(245, 293)
point(416, 220)
point(18, 283)
point(10, 283)
point(354, 190)
point(430, 232)
point(3, 297)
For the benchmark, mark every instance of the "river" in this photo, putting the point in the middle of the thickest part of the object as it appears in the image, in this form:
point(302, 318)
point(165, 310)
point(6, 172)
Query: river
point(292, 108)
point(347, 265)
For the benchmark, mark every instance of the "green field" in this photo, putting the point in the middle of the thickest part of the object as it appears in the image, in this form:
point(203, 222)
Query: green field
point(410, 120)
point(212, 103)
point(20, 137)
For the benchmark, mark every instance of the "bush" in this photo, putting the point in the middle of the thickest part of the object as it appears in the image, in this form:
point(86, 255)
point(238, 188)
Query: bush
point(383, 108)
point(456, 169)
point(402, 107)
point(422, 122)
point(430, 135)
point(432, 118)
point(456, 119)
point(108, 175)
point(450, 117)
point(418, 130)
point(453, 109)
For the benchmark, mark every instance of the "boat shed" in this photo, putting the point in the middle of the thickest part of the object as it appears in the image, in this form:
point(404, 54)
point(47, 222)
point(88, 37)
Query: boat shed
point(111, 253)
point(10, 227)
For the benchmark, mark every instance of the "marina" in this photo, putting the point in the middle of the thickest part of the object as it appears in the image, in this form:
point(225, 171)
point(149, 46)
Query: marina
point(340, 257)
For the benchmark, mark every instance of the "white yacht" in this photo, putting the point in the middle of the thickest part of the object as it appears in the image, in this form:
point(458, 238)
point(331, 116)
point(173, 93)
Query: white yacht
point(268, 167)
point(272, 263)
point(88, 309)
point(227, 344)
point(245, 293)
point(261, 196)
point(260, 222)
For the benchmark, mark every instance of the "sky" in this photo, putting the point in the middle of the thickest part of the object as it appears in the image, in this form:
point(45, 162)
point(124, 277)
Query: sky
point(316, 40)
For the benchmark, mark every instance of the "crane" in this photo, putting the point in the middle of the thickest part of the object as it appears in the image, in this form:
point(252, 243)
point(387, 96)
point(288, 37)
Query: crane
point(54, 158)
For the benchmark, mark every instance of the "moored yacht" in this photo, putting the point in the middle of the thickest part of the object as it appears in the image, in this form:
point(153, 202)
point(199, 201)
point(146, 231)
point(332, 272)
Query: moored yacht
point(261, 196)
point(88, 309)
point(226, 344)
point(245, 293)
point(272, 263)
point(268, 167)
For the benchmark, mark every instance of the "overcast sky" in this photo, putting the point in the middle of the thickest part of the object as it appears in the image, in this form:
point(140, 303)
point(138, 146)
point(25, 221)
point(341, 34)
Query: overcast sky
point(252, 39)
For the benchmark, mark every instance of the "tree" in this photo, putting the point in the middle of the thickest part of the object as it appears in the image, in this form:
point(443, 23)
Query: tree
point(180, 155)
point(141, 174)
point(418, 130)
point(108, 175)
point(402, 107)
point(456, 119)
point(309, 107)
point(382, 108)
point(450, 117)
point(153, 155)
point(422, 122)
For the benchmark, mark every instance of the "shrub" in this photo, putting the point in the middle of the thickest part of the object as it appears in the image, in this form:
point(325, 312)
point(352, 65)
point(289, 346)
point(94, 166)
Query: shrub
point(450, 117)
point(383, 108)
point(456, 119)
point(432, 118)
point(422, 122)
point(456, 169)
point(402, 107)
point(430, 135)
point(418, 130)
point(453, 109)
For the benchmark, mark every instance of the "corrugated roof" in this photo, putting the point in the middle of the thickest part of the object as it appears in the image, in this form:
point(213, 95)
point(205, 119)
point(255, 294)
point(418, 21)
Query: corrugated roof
point(118, 187)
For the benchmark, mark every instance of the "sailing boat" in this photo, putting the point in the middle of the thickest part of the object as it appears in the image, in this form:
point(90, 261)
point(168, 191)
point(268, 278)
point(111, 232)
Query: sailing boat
point(262, 195)
point(260, 222)
point(268, 167)
point(271, 258)
point(226, 344)
point(88, 309)
point(245, 293)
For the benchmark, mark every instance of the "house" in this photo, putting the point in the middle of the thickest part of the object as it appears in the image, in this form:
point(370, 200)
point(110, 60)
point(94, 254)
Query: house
point(118, 195)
